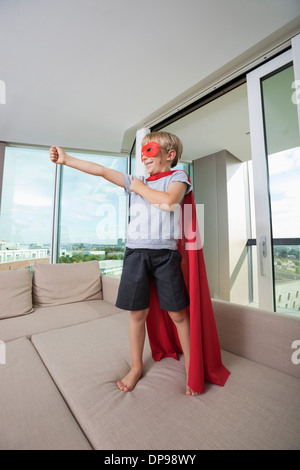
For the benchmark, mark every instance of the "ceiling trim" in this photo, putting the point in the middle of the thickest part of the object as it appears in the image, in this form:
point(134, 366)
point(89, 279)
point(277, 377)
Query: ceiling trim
point(200, 103)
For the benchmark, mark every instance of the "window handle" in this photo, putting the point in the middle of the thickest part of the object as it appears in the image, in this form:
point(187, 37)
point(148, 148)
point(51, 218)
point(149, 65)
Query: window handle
point(262, 254)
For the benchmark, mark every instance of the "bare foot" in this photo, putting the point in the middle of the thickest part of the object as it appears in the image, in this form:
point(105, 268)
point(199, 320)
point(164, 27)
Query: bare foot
point(129, 382)
point(189, 391)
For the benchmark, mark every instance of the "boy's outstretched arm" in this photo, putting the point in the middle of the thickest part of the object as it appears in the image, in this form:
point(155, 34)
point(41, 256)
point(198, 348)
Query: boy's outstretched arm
point(58, 156)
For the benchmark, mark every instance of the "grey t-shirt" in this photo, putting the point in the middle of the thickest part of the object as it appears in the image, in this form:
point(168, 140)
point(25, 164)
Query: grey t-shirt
point(151, 227)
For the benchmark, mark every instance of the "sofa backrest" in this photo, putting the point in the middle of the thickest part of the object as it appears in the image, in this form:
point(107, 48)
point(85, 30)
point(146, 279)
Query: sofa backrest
point(110, 288)
point(258, 335)
point(57, 284)
point(15, 293)
point(51, 284)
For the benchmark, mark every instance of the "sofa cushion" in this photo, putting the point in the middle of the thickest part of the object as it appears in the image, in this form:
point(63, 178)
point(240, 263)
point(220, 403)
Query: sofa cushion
point(110, 287)
point(57, 284)
point(264, 337)
point(57, 316)
point(33, 414)
point(258, 408)
point(16, 293)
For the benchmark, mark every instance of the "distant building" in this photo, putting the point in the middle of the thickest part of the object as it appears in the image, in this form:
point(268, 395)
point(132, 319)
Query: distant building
point(8, 256)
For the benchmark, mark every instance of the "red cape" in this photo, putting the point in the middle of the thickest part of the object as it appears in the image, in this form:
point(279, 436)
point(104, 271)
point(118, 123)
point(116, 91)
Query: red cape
point(205, 355)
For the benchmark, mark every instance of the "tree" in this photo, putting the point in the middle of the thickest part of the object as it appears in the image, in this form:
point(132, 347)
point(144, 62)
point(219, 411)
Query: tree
point(282, 253)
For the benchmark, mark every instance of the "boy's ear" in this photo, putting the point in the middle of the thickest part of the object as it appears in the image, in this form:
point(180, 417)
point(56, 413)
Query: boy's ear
point(172, 155)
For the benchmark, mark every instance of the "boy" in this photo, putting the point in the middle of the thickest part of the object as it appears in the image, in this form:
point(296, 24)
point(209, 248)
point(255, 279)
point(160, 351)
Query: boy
point(145, 253)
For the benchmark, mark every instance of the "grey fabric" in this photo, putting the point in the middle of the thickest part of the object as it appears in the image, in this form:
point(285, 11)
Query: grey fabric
point(59, 316)
point(33, 415)
point(264, 337)
point(151, 227)
point(15, 293)
point(57, 284)
point(110, 286)
point(258, 408)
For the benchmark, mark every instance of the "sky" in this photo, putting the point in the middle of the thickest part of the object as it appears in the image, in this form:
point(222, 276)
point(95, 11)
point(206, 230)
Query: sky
point(92, 209)
point(284, 171)
point(26, 206)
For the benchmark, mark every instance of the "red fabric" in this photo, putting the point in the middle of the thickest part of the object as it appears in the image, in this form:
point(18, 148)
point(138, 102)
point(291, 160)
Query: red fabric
point(150, 150)
point(205, 355)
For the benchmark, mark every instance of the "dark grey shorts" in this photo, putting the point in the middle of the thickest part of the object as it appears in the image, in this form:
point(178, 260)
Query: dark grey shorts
point(143, 265)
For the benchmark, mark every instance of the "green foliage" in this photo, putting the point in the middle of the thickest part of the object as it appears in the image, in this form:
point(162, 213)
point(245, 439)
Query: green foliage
point(80, 258)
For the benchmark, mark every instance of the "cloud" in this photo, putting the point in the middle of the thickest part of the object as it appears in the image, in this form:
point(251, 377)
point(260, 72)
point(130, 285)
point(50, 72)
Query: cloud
point(284, 169)
point(281, 162)
point(32, 199)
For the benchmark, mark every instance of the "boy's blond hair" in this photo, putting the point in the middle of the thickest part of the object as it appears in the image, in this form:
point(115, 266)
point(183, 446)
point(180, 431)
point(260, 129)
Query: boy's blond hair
point(167, 141)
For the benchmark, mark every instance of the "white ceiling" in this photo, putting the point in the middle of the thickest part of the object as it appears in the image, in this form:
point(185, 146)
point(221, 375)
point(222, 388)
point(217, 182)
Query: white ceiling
point(80, 73)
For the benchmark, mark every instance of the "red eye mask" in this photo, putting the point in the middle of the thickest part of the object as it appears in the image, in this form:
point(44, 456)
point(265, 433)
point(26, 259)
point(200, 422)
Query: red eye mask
point(150, 150)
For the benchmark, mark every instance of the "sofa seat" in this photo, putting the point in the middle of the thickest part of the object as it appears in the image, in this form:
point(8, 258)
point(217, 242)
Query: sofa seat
point(51, 317)
point(258, 408)
point(33, 414)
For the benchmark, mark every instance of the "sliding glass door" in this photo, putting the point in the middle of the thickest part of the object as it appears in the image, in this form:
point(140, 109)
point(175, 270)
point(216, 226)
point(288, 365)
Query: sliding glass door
point(275, 142)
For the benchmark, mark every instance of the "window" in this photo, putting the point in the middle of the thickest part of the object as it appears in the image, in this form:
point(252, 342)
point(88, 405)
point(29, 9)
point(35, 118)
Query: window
point(274, 133)
point(26, 207)
point(93, 216)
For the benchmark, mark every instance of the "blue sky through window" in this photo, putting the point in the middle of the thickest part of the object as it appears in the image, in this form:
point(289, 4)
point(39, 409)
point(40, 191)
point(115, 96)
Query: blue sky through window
point(26, 205)
point(284, 171)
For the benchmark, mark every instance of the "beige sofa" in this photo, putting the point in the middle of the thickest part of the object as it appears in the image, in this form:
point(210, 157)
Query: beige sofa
point(67, 344)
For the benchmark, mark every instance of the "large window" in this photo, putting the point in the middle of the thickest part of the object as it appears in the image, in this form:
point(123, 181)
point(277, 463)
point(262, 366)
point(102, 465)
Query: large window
point(275, 143)
point(283, 146)
point(93, 216)
point(26, 208)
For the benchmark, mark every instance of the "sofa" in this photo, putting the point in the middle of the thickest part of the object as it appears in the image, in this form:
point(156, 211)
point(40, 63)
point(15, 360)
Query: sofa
point(66, 345)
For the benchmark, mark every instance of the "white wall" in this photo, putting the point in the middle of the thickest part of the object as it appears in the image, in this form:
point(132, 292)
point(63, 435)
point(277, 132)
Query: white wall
point(219, 185)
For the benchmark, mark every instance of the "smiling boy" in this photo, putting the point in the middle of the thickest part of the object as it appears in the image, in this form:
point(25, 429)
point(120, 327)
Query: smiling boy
point(179, 315)
point(151, 252)
point(151, 249)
